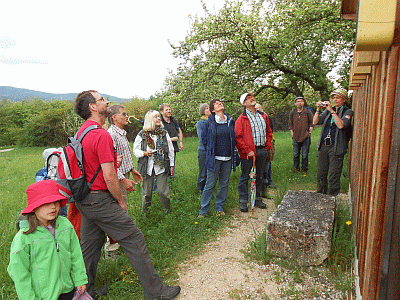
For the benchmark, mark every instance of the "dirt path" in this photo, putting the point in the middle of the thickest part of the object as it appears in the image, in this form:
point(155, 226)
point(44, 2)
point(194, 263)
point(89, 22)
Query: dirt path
point(221, 271)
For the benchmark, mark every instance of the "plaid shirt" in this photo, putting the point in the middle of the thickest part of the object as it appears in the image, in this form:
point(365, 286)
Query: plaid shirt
point(121, 145)
point(258, 127)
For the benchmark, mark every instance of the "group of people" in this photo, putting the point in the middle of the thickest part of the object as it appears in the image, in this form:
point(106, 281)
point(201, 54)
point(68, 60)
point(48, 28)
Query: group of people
point(333, 143)
point(47, 260)
point(252, 134)
point(224, 144)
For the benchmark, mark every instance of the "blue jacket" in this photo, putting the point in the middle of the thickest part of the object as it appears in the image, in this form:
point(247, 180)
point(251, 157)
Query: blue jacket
point(208, 137)
point(199, 126)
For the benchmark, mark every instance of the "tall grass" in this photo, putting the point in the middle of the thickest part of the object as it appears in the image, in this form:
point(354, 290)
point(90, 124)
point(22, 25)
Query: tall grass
point(171, 238)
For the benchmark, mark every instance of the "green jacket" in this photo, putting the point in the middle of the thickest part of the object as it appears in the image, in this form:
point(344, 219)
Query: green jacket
point(38, 269)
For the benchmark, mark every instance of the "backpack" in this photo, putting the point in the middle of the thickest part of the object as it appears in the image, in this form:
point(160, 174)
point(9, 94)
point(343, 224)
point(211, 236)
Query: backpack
point(65, 166)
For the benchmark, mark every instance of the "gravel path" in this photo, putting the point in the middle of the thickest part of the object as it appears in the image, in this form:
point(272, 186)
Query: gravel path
point(221, 271)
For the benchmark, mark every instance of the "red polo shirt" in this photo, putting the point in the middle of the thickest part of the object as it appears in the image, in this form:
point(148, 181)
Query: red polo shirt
point(98, 148)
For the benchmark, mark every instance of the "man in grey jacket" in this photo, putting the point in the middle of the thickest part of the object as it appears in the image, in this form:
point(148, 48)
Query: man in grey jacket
point(332, 145)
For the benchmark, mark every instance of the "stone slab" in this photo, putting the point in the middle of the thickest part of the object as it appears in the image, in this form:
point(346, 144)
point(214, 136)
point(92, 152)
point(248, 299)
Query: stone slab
point(301, 227)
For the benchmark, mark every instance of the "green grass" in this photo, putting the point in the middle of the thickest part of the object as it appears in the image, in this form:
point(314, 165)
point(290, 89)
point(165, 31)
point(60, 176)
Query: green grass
point(171, 238)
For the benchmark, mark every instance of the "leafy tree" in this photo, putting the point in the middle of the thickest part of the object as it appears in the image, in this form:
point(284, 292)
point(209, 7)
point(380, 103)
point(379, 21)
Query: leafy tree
point(274, 48)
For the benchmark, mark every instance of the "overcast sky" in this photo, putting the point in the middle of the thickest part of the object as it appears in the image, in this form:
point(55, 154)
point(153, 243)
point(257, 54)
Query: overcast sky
point(117, 47)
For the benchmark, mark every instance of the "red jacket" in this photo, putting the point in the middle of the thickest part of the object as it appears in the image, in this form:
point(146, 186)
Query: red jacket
point(244, 135)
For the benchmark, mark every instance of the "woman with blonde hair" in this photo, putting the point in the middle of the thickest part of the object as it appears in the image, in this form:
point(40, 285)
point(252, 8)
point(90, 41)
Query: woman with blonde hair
point(154, 149)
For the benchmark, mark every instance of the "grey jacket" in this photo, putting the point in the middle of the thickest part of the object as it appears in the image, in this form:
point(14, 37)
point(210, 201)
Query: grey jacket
point(342, 136)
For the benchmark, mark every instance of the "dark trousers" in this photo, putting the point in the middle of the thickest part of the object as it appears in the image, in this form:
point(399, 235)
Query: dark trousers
point(67, 296)
point(201, 180)
point(329, 163)
point(304, 147)
point(246, 165)
point(102, 214)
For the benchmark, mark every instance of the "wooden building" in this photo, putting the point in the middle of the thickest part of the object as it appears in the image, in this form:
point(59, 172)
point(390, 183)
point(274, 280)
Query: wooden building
point(375, 148)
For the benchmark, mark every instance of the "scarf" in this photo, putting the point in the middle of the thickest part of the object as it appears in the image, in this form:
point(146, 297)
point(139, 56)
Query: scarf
point(158, 156)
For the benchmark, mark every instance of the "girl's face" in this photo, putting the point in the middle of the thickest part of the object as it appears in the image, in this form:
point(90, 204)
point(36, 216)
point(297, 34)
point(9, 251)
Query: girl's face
point(47, 212)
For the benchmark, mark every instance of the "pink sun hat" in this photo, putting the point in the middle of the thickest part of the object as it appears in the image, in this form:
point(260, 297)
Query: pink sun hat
point(44, 192)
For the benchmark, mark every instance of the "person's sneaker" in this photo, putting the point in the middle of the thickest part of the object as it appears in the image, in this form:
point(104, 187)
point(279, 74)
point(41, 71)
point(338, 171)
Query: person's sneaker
point(169, 292)
point(200, 216)
point(260, 204)
point(243, 207)
point(220, 213)
point(304, 172)
point(296, 170)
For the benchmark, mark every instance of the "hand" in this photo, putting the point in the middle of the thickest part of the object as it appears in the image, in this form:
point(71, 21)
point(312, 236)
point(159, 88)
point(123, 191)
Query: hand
point(128, 184)
point(251, 154)
point(319, 105)
point(148, 153)
point(180, 145)
point(81, 289)
point(136, 175)
point(328, 106)
point(172, 171)
point(123, 205)
point(119, 160)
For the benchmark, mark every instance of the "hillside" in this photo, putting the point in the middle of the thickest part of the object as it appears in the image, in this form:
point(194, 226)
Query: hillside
point(18, 94)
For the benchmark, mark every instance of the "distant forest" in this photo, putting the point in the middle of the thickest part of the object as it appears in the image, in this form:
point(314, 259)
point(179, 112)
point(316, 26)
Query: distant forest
point(16, 95)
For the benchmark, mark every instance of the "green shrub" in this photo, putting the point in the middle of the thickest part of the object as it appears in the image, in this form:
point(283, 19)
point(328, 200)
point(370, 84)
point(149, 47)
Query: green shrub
point(46, 129)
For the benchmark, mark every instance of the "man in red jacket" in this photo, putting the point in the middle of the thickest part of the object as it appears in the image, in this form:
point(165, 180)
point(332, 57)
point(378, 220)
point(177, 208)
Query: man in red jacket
point(253, 140)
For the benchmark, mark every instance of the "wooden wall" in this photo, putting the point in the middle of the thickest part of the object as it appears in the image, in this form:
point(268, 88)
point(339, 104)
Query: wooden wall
point(373, 156)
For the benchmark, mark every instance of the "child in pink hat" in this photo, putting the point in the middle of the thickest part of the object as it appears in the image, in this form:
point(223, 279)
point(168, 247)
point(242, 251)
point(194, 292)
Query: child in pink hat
point(46, 261)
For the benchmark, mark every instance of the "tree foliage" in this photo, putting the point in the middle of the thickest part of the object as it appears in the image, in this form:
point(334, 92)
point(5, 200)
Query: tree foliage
point(276, 49)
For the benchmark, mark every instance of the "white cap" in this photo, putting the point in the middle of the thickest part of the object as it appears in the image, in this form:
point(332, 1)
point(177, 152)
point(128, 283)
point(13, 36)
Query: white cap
point(243, 97)
point(47, 152)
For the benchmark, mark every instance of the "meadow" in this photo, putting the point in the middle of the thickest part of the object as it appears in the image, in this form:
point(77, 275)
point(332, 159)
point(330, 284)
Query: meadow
point(171, 238)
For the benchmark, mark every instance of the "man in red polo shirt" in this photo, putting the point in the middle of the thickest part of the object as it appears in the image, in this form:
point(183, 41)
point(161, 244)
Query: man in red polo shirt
point(104, 210)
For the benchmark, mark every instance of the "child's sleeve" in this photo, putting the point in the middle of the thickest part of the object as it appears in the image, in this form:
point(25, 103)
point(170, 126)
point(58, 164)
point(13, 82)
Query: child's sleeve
point(18, 269)
point(78, 270)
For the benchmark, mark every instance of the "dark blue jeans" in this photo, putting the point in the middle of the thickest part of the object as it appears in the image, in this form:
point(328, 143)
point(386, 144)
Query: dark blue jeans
point(261, 166)
point(304, 147)
point(201, 181)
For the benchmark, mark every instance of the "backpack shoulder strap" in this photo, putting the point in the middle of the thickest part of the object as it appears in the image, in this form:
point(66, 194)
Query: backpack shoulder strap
point(87, 129)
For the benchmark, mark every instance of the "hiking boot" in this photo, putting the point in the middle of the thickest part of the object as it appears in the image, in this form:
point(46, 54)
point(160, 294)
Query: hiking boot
point(260, 204)
point(169, 292)
point(243, 207)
